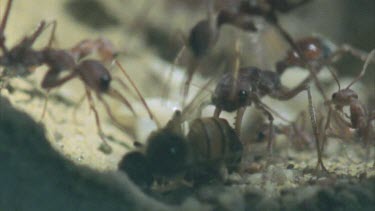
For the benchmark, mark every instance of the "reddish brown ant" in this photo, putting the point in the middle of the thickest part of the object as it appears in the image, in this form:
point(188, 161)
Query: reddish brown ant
point(315, 53)
point(360, 118)
point(96, 78)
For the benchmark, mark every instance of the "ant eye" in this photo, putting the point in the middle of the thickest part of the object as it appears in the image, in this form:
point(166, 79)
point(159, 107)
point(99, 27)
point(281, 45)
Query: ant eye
point(334, 95)
point(104, 81)
point(242, 94)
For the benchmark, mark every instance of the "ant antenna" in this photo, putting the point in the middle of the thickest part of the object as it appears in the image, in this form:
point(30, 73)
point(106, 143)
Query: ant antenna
point(334, 75)
point(362, 73)
point(138, 93)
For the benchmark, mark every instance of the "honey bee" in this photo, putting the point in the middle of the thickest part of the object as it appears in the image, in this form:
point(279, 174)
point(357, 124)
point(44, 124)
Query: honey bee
point(210, 149)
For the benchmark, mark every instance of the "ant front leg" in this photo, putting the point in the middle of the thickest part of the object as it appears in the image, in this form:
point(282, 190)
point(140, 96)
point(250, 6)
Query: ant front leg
point(104, 147)
point(348, 49)
point(314, 126)
point(239, 116)
point(270, 132)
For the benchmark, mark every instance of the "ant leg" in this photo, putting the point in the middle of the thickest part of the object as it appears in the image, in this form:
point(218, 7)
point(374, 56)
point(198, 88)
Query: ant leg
point(270, 132)
point(192, 68)
point(286, 94)
point(118, 96)
point(110, 114)
point(3, 25)
point(217, 112)
point(52, 37)
point(345, 48)
point(104, 147)
point(315, 130)
point(51, 80)
point(124, 86)
point(239, 116)
point(45, 105)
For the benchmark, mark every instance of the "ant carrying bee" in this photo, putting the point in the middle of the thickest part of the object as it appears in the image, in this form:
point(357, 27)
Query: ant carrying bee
point(210, 148)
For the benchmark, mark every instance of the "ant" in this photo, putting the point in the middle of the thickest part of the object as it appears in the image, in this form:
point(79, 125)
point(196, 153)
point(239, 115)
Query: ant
point(236, 91)
point(204, 35)
point(93, 73)
point(360, 118)
point(315, 53)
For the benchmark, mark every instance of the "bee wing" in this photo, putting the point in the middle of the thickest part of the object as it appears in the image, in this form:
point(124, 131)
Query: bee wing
point(191, 110)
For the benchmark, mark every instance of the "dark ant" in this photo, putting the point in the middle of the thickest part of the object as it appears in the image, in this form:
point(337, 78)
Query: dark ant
point(209, 149)
point(234, 92)
point(204, 35)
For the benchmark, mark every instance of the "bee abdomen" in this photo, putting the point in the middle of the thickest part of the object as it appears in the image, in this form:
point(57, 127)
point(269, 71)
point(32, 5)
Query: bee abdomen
point(213, 140)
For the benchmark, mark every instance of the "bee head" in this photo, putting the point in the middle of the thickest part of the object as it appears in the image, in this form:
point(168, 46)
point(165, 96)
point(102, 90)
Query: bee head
point(136, 166)
point(167, 153)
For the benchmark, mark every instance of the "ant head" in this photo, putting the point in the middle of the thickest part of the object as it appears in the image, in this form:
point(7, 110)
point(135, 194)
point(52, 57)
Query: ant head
point(230, 93)
point(167, 152)
point(95, 75)
point(344, 97)
point(136, 166)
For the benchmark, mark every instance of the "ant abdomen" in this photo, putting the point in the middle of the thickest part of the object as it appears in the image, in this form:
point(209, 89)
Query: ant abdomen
point(314, 50)
point(201, 38)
